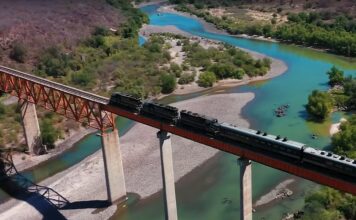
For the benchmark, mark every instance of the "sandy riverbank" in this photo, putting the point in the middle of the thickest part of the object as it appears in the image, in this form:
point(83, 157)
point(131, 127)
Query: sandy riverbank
point(278, 67)
point(335, 128)
point(141, 160)
point(209, 27)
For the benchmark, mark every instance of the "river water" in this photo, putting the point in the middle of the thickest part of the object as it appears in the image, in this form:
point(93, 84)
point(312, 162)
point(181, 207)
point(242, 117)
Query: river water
point(201, 194)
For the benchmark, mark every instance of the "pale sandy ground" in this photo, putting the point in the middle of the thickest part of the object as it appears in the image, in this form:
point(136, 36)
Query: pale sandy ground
point(85, 181)
point(335, 128)
point(279, 192)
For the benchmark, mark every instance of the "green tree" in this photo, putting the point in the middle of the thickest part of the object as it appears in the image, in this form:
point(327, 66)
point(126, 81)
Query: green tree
point(344, 142)
point(49, 133)
point(207, 79)
point(18, 53)
point(320, 104)
point(336, 76)
point(168, 83)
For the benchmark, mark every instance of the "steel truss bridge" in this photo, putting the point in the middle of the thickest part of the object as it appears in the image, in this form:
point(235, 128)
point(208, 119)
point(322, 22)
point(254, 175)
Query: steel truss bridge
point(94, 111)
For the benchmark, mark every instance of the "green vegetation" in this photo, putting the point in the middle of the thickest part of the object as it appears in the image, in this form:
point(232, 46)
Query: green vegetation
point(207, 79)
point(168, 83)
point(10, 126)
point(336, 76)
point(49, 133)
point(320, 104)
point(18, 53)
point(309, 29)
point(186, 78)
point(344, 142)
point(343, 97)
point(328, 203)
point(225, 61)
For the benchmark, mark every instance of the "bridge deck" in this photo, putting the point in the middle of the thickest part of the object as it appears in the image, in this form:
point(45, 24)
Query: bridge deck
point(54, 85)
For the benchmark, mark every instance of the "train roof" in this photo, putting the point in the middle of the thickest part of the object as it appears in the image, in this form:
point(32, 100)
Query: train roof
point(330, 156)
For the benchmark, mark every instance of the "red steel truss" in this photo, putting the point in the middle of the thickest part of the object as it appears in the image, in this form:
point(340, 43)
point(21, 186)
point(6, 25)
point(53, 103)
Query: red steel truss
point(69, 102)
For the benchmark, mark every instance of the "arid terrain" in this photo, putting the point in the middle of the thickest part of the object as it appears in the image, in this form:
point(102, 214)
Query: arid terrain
point(61, 22)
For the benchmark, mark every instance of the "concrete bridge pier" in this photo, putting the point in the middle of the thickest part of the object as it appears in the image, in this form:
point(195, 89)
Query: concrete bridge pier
point(245, 189)
point(31, 128)
point(114, 172)
point(170, 204)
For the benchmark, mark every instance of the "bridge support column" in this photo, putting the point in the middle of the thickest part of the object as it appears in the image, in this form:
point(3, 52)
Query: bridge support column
point(245, 189)
point(114, 172)
point(168, 175)
point(31, 128)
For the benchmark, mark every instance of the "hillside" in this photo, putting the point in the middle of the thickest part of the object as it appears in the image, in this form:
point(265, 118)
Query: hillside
point(38, 24)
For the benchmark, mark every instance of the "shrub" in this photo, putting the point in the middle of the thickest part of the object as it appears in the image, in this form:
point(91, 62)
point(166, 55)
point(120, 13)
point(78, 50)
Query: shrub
point(186, 78)
point(18, 53)
point(176, 70)
point(319, 105)
point(207, 79)
point(336, 76)
point(168, 83)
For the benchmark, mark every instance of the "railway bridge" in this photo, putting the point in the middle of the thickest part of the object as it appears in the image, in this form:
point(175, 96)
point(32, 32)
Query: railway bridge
point(94, 111)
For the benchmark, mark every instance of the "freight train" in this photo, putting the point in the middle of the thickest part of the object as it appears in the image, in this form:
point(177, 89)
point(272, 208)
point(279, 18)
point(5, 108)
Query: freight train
point(293, 151)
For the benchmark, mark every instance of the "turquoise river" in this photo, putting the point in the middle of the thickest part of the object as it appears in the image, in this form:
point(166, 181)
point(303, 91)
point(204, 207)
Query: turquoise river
point(201, 193)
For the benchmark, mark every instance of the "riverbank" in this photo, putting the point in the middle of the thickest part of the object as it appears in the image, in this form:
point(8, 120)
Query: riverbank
point(140, 158)
point(24, 161)
point(278, 67)
point(335, 128)
point(209, 26)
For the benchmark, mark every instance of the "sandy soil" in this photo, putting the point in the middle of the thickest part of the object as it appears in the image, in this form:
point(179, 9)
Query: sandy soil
point(141, 160)
point(335, 128)
point(279, 192)
point(148, 29)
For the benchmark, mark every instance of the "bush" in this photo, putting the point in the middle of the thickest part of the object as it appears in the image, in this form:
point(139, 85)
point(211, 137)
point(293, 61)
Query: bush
point(336, 76)
point(49, 133)
point(186, 78)
point(82, 79)
point(320, 104)
point(207, 79)
point(168, 83)
point(344, 142)
point(176, 70)
point(54, 63)
point(18, 53)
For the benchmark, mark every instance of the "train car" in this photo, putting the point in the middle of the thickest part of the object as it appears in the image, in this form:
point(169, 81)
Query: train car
point(125, 101)
point(165, 112)
point(199, 122)
point(329, 160)
point(262, 140)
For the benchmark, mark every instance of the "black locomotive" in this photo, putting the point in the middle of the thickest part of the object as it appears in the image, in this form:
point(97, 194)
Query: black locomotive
point(199, 122)
point(125, 101)
point(167, 113)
